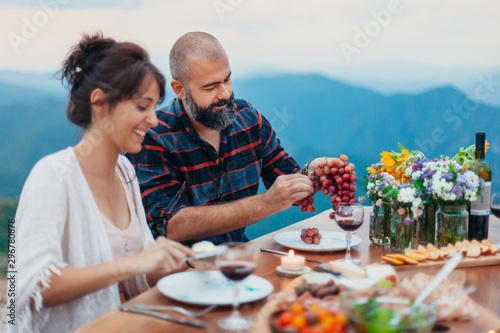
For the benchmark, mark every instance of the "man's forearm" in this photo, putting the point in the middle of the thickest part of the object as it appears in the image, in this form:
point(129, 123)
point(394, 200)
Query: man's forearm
point(213, 220)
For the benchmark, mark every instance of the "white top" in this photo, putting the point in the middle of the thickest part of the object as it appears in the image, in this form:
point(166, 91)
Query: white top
point(59, 225)
point(125, 242)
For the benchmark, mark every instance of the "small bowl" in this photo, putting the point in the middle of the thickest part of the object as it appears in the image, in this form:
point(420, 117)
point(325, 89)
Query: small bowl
point(374, 314)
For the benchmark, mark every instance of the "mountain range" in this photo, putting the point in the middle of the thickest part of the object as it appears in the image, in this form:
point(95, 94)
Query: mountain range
point(313, 116)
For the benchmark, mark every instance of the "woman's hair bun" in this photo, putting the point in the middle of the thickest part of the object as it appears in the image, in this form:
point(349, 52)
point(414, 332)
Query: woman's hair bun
point(84, 56)
point(118, 69)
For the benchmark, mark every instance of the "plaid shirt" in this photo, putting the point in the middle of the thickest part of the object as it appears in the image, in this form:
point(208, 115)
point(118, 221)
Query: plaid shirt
point(178, 169)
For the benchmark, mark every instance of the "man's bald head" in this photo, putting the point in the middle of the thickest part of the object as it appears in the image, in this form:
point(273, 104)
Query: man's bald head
point(193, 44)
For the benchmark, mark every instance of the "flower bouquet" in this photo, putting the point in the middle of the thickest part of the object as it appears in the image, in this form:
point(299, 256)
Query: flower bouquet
point(377, 186)
point(447, 183)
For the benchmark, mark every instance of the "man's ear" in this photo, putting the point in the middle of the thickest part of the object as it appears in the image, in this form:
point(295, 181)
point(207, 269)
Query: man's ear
point(178, 89)
point(98, 100)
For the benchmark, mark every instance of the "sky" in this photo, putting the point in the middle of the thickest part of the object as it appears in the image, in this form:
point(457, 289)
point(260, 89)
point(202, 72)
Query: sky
point(386, 44)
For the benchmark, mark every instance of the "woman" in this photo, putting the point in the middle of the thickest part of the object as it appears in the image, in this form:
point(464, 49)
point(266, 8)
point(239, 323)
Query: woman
point(82, 236)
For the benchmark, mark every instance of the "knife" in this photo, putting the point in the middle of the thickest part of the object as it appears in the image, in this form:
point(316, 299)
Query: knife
point(285, 254)
point(163, 316)
point(326, 270)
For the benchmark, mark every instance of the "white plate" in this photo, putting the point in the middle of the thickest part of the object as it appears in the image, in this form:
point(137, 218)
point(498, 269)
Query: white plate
point(331, 241)
point(211, 287)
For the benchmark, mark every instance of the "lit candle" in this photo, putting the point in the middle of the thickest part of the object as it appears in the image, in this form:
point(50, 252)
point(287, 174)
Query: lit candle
point(293, 262)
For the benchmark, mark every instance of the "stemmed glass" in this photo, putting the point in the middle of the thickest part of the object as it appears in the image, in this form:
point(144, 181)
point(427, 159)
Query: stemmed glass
point(236, 262)
point(349, 218)
point(495, 204)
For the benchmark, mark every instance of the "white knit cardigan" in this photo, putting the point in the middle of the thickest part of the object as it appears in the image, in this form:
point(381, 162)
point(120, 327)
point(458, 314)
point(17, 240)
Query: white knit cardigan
point(59, 225)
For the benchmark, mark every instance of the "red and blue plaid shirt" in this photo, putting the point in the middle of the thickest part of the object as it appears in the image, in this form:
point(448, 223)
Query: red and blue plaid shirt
point(178, 169)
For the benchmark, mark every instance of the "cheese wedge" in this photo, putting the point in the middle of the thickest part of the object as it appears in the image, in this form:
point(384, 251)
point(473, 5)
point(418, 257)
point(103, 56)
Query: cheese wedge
point(347, 269)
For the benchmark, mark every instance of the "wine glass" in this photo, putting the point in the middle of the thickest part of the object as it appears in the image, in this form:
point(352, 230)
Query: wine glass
point(495, 204)
point(236, 262)
point(349, 218)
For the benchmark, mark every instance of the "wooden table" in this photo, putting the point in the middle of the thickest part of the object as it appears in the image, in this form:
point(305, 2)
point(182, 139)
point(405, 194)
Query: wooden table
point(486, 279)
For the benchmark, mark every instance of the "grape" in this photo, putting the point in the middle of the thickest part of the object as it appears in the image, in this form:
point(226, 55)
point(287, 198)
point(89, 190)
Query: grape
point(335, 176)
point(310, 235)
point(332, 216)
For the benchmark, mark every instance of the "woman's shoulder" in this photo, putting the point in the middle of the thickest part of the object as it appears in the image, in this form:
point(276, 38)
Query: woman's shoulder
point(58, 164)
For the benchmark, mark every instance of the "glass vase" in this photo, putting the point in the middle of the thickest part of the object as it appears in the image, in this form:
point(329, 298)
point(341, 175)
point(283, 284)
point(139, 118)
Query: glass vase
point(451, 224)
point(380, 225)
point(402, 229)
point(426, 224)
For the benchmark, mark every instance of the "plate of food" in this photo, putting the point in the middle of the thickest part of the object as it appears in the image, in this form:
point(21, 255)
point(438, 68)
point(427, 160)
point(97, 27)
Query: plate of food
point(211, 287)
point(329, 241)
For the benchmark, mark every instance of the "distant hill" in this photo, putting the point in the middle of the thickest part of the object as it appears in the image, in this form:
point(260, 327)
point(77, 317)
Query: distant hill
point(313, 116)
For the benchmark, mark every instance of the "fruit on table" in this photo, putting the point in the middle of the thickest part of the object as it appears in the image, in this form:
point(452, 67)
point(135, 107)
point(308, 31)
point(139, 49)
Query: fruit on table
point(417, 255)
point(392, 261)
point(310, 236)
point(403, 258)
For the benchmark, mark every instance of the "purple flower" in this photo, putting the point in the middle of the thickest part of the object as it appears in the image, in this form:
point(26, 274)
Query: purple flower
point(448, 175)
point(414, 167)
point(407, 221)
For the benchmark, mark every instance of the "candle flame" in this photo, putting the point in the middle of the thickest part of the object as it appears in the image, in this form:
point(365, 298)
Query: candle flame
point(492, 331)
point(291, 253)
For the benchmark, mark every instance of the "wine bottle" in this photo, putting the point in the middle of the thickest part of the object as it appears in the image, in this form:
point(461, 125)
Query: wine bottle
point(480, 209)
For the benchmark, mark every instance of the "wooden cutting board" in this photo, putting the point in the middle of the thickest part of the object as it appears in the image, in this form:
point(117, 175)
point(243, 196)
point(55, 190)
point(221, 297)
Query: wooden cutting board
point(484, 260)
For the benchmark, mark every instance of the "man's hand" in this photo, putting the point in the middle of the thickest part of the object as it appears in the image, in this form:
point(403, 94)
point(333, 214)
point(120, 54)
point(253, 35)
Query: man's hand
point(286, 190)
point(329, 161)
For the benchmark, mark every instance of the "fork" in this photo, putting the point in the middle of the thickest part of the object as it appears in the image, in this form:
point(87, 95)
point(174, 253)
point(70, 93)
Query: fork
point(177, 308)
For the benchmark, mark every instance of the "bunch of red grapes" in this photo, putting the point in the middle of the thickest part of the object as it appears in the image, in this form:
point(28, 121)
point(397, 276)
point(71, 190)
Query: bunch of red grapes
point(310, 235)
point(336, 178)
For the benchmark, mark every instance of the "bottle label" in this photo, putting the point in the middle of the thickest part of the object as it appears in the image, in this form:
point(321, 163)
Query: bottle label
point(482, 205)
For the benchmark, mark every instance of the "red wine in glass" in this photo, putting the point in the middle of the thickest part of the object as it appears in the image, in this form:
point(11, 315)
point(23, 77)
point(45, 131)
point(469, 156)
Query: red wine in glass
point(236, 270)
point(496, 210)
point(236, 263)
point(349, 217)
point(348, 224)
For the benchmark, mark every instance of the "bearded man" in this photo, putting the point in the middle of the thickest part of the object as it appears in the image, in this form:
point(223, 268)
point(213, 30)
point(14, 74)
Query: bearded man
point(200, 168)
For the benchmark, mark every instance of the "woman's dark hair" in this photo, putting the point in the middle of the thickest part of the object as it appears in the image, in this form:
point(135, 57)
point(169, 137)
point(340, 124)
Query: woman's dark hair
point(117, 68)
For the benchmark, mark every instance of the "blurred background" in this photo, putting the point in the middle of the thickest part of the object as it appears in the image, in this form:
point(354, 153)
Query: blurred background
point(331, 76)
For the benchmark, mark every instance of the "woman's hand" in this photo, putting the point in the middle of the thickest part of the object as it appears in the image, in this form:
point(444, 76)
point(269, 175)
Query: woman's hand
point(165, 256)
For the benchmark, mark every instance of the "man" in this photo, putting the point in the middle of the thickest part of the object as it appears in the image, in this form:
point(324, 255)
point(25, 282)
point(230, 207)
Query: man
point(199, 170)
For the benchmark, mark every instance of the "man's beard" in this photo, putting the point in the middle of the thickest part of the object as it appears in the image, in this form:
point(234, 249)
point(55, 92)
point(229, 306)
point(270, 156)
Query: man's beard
point(208, 117)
